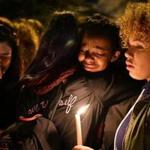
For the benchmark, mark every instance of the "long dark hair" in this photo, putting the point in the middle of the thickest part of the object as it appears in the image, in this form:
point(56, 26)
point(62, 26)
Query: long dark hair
point(57, 54)
point(7, 34)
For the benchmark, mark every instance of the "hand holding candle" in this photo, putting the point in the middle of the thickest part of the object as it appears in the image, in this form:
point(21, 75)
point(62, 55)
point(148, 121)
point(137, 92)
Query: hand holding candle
point(81, 147)
point(78, 124)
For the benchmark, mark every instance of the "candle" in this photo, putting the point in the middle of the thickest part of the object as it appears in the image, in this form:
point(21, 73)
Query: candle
point(78, 129)
point(78, 124)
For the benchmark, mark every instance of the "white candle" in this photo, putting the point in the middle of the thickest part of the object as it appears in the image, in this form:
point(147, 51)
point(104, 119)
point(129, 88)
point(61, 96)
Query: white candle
point(78, 129)
point(78, 124)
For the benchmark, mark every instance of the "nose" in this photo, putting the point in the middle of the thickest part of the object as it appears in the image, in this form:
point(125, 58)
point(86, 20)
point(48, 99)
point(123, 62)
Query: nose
point(128, 54)
point(88, 57)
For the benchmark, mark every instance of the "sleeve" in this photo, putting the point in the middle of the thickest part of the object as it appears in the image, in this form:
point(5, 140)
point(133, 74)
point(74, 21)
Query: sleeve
point(123, 88)
point(117, 102)
point(113, 118)
point(26, 100)
point(38, 134)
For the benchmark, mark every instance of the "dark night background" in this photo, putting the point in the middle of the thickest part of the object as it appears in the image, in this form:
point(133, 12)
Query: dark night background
point(41, 9)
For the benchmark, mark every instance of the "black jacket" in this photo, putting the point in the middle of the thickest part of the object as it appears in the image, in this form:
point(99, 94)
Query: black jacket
point(100, 90)
point(8, 99)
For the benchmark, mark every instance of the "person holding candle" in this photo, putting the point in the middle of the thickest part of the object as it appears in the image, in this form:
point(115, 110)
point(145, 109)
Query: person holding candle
point(97, 82)
point(118, 98)
point(133, 132)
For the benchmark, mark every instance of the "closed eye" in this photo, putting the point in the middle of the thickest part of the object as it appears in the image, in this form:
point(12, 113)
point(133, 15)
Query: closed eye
point(82, 52)
point(99, 55)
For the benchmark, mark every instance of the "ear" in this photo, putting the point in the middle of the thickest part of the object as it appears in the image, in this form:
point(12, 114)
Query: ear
point(115, 56)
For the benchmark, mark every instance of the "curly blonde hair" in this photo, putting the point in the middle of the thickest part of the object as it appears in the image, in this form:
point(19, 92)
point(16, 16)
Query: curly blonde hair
point(136, 22)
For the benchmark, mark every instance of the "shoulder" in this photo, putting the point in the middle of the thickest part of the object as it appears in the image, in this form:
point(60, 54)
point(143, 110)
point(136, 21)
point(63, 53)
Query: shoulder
point(27, 98)
point(84, 85)
point(123, 88)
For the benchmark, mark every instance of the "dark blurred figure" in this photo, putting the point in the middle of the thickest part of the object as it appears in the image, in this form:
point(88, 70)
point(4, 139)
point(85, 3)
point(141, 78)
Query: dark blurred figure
point(58, 46)
point(36, 24)
point(9, 72)
point(56, 61)
point(28, 36)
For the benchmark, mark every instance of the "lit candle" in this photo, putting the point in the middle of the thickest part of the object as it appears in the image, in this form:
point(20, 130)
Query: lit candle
point(78, 124)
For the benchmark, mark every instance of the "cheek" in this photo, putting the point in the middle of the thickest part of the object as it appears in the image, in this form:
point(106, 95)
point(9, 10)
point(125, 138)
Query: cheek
point(104, 66)
point(141, 71)
point(144, 69)
point(142, 61)
point(5, 64)
point(80, 58)
point(103, 62)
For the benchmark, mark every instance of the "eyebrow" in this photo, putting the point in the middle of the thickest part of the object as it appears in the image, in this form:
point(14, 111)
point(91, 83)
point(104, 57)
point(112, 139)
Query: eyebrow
point(101, 48)
point(97, 47)
point(137, 44)
point(5, 53)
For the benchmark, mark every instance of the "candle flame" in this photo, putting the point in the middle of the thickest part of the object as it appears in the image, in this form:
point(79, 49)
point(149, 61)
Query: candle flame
point(83, 109)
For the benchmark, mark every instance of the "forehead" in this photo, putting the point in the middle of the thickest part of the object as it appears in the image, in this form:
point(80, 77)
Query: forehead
point(5, 48)
point(96, 42)
point(139, 40)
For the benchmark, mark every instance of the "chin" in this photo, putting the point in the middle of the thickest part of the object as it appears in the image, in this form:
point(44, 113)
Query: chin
point(135, 76)
point(90, 70)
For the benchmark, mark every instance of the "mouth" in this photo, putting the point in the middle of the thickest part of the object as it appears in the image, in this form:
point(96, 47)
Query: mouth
point(129, 65)
point(89, 66)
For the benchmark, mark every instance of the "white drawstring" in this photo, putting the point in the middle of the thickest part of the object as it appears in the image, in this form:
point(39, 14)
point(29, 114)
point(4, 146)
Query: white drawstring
point(115, 147)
